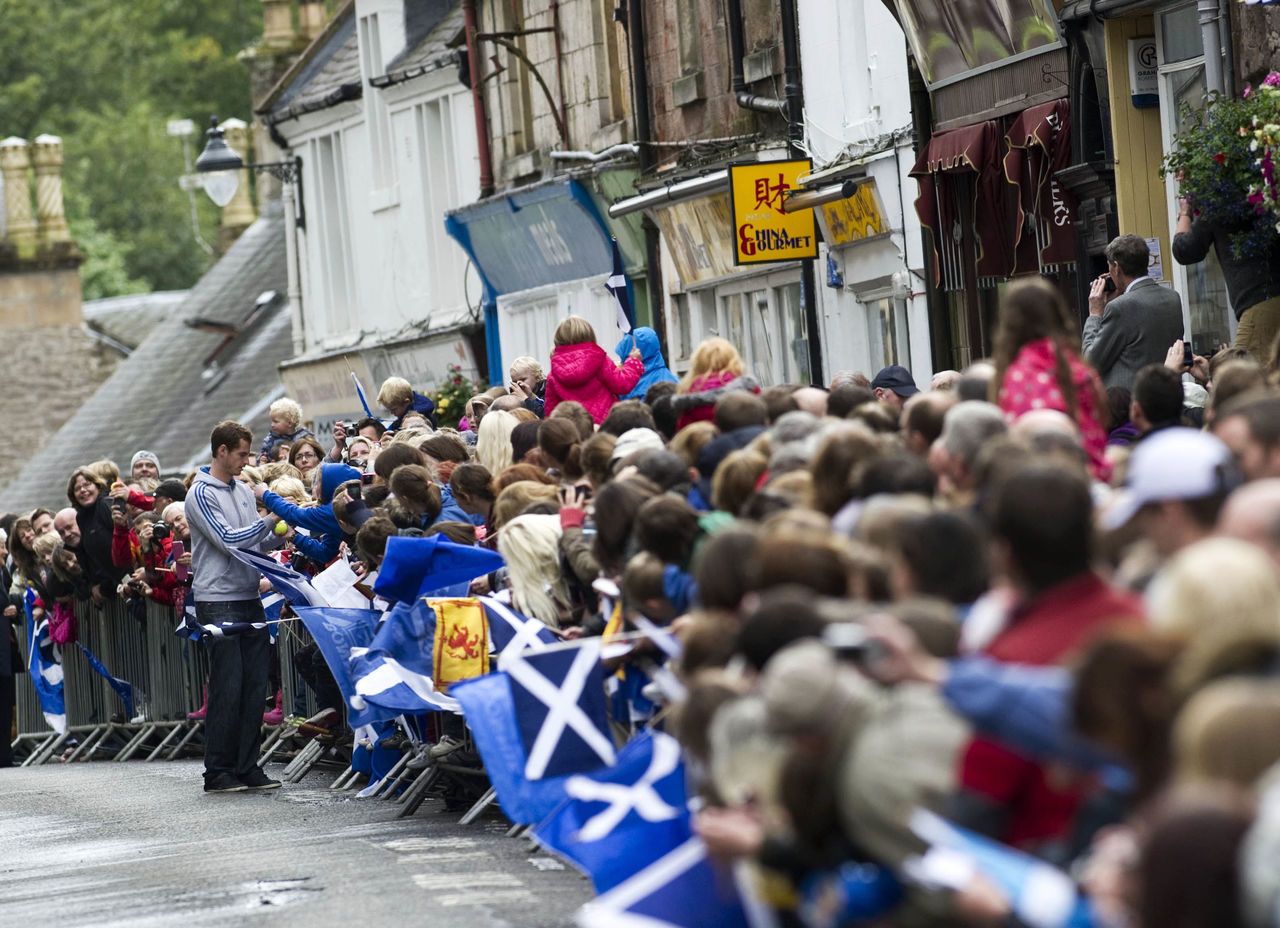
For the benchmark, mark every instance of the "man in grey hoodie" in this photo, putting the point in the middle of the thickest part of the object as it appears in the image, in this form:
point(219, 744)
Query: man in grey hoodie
point(223, 514)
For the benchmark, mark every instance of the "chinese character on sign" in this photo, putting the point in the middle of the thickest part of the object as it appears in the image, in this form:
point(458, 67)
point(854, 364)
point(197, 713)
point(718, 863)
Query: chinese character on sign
point(770, 195)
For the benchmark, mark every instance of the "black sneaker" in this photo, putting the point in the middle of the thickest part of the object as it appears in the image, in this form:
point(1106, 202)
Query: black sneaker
point(223, 783)
point(256, 779)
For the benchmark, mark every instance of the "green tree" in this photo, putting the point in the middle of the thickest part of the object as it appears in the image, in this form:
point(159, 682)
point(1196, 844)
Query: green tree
point(107, 76)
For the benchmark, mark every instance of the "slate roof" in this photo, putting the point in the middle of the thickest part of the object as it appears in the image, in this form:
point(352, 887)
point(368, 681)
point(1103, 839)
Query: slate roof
point(157, 398)
point(330, 74)
point(432, 29)
point(130, 319)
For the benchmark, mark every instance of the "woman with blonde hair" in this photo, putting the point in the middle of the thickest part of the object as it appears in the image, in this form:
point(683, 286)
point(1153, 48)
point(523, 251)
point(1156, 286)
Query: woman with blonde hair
point(715, 369)
point(531, 546)
point(582, 371)
point(493, 442)
point(515, 499)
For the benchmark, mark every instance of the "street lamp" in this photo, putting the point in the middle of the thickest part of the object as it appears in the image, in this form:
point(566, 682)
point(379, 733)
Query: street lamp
point(221, 168)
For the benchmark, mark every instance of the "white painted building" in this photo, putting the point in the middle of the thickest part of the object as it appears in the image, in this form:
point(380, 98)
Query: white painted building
point(870, 273)
point(385, 132)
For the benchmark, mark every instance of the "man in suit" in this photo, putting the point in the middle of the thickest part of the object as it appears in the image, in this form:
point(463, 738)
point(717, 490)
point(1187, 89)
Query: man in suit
point(1133, 325)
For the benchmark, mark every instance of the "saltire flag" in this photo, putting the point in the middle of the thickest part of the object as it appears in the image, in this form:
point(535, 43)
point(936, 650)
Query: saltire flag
point(394, 675)
point(619, 286)
point(191, 626)
point(293, 586)
point(338, 632)
point(44, 663)
point(364, 401)
point(681, 889)
point(560, 709)
point(509, 629)
point(617, 821)
point(414, 567)
point(490, 712)
point(1040, 895)
point(123, 688)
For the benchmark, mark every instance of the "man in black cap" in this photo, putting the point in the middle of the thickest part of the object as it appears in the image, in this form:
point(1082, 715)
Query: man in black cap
point(893, 386)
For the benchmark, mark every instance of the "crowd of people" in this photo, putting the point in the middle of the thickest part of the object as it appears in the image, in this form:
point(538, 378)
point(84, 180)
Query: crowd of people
point(1039, 598)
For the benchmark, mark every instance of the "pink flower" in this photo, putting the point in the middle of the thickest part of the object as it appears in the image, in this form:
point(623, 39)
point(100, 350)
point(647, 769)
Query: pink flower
point(1248, 91)
point(1272, 79)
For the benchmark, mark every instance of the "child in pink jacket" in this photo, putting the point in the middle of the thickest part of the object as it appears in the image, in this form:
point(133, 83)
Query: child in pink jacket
point(583, 372)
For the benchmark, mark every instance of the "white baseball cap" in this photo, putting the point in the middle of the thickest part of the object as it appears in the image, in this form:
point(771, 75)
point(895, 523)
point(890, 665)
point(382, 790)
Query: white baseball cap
point(1175, 463)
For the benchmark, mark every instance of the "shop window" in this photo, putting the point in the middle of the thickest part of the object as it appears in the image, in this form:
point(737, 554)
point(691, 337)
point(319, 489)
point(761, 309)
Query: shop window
point(888, 335)
point(795, 335)
point(1182, 88)
point(682, 328)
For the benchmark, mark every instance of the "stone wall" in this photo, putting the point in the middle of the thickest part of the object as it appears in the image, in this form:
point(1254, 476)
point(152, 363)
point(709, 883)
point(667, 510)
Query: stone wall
point(50, 371)
point(691, 78)
point(39, 297)
point(1255, 39)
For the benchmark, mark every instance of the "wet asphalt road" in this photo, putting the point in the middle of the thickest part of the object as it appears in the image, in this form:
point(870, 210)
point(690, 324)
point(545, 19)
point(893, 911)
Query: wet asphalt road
point(139, 845)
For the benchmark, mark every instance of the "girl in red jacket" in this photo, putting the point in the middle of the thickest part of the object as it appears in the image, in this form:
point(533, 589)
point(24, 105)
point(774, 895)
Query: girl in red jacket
point(582, 371)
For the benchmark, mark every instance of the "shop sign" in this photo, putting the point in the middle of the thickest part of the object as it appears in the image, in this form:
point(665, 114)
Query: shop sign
point(1144, 80)
point(694, 232)
point(856, 218)
point(762, 232)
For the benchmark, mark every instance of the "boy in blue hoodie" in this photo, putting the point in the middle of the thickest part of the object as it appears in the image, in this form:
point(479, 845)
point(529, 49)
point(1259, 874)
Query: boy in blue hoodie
point(321, 545)
point(655, 365)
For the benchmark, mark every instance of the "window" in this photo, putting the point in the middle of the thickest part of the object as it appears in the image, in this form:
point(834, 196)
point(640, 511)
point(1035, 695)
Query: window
point(379, 121)
point(437, 139)
point(888, 337)
point(329, 237)
point(681, 327)
point(689, 34)
point(763, 318)
point(1182, 85)
point(612, 64)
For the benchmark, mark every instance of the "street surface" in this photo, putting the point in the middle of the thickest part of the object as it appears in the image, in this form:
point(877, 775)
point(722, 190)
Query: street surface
point(136, 845)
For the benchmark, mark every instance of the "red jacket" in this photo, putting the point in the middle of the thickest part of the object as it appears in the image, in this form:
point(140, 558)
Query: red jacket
point(585, 374)
point(1049, 629)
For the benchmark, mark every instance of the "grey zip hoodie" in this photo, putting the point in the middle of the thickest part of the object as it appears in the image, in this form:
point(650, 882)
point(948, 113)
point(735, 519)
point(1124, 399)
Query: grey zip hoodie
point(224, 516)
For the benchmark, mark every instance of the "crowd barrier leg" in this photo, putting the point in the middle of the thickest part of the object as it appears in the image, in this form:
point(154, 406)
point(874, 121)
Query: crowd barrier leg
point(197, 728)
point(345, 779)
point(416, 794)
point(306, 759)
point(44, 739)
point(175, 729)
point(482, 803)
point(387, 788)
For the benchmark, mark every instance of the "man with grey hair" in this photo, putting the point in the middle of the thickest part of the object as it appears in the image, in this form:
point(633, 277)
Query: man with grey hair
point(967, 427)
point(1132, 319)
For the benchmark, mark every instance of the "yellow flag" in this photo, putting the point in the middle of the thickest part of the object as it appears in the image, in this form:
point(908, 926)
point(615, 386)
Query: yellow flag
point(461, 648)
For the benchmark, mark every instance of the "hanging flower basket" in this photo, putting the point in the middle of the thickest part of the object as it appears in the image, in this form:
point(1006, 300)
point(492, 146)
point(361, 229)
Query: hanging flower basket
point(1224, 163)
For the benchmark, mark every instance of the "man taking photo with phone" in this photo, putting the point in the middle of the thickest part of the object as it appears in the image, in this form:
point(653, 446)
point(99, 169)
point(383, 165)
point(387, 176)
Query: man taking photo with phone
point(1132, 319)
point(223, 515)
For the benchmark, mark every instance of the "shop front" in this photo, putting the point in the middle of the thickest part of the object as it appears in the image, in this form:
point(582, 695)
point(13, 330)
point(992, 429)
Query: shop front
point(543, 253)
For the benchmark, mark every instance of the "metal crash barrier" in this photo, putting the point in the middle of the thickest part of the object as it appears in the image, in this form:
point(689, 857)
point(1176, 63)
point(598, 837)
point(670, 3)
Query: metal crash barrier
point(137, 644)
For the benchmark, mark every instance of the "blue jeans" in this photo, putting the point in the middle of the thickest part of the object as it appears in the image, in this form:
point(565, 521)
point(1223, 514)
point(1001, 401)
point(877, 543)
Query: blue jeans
point(237, 689)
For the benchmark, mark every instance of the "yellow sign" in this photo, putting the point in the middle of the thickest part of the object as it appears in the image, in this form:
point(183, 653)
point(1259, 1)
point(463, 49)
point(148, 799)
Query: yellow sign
point(855, 219)
point(694, 232)
point(762, 232)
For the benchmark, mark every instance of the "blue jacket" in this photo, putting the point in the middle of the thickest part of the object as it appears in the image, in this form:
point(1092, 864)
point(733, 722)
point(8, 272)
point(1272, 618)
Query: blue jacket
point(326, 534)
point(272, 439)
point(655, 365)
point(450, 511)
point(423, 406)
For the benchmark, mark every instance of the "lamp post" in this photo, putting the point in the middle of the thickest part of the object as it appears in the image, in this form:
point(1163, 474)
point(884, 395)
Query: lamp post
point(221, 167)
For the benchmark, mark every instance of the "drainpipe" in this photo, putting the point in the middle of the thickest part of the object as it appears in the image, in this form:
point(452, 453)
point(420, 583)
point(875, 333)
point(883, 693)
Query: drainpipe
point(1211, 37)
point(737, 52)
point(793, 109)
point(475, 70)
point(559, 52)
point(643, 136)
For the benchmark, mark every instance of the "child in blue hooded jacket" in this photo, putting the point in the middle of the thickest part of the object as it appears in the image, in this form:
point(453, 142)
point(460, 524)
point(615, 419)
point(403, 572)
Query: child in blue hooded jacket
point(321, 545)
point(655, 365)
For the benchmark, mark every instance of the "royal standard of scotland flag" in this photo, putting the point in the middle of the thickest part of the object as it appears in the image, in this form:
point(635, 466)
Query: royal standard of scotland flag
point(560, 709)
point(509, 630)
point(618, 285)
point(394, 675)
point(45, 666)
point(338, 632)
point(123, 688)
point(491, 715)
point(681, 889)
point(618, 821)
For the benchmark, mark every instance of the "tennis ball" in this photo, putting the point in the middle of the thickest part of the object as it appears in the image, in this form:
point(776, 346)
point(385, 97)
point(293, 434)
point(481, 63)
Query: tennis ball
point(282, 529)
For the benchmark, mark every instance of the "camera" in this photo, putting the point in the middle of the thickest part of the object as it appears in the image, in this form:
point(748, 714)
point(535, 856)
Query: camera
point(159, 531)
point(1188, 356)
point(119, 505)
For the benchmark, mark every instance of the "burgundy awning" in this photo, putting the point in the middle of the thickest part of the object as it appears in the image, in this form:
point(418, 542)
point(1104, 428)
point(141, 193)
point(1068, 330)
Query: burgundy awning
point(1039, 145)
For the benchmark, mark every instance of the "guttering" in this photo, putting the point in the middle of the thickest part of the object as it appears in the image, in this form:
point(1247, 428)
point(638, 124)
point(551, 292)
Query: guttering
point(694, 187)
point(613, 151)
point(737, 52)
point(476, 74)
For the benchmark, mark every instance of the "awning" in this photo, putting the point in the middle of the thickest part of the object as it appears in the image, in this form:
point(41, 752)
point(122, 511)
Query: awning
point(1039, 145)
point(547, 234)
point(961, 183)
